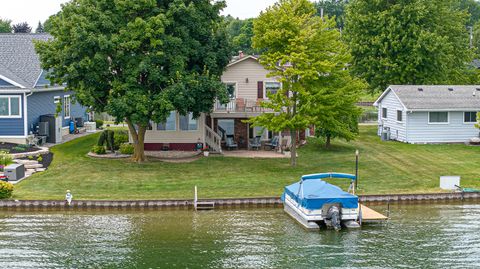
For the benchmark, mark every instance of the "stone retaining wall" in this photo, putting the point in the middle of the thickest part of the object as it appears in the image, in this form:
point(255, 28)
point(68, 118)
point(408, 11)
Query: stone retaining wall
point(241, 202)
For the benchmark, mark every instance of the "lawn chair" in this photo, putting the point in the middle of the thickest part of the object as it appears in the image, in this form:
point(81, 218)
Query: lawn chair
point(273, 144)
point(230, 143)
point(255, 143)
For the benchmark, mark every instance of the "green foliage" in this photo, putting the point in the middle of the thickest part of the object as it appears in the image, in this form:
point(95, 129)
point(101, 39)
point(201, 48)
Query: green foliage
point(5, 158)
point(6, 190)
point(100, 150)
point(120, 137)
point(139, 60)
point(127, 149)
point(333, 8)
point(30, 157)
point(5, 26)
point(40, 159)
point(473, 9)
point(20, 147)
point(408, 42)
point(98, 124)
point(102, 138)
point(241, 33)
point(308, 56)
point(22, 27)
point(107, 138)
point(477, 125)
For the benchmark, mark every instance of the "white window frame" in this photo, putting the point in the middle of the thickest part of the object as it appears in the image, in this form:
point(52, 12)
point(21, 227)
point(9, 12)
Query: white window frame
point(236, 88)
point(56, 99)
point(20, 108)
point(401, 112)
point(175, 127)
point(470, 122)
point(439, 123)
point(265, 87)
point(189, 115)
point(67, 104)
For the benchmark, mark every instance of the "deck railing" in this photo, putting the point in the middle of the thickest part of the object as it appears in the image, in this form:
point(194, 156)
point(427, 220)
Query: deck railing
point(241, 105)
point(213, 140)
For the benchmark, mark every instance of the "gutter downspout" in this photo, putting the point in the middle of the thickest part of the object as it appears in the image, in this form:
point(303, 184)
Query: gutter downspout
point(25, 114)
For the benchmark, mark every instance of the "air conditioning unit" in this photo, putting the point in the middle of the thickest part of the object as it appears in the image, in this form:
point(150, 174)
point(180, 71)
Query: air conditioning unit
point(386, 134)
point(43, 129)
point(79, 122)
point(14, 172)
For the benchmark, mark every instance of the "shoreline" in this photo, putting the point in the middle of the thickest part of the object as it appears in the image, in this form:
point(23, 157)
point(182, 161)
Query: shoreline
point(227, 202)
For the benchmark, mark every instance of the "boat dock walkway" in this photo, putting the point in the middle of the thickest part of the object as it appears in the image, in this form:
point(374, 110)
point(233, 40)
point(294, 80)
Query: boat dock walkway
point(370, 215)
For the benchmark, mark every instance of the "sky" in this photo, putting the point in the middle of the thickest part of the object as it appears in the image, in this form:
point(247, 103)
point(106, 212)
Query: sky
point(33, 11)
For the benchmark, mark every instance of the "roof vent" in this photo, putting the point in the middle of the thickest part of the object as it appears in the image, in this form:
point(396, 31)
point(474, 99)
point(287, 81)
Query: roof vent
point(478, 89)
point(420, 89)
point(450, 89)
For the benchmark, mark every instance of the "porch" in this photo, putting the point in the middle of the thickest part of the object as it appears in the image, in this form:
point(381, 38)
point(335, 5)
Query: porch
point(263, 154)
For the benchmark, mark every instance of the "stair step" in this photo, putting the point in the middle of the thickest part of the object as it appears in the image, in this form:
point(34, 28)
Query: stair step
point(25, 162)
point(33, 166)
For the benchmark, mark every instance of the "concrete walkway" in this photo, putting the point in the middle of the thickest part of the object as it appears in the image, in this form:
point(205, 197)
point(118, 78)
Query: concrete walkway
point(69, 137)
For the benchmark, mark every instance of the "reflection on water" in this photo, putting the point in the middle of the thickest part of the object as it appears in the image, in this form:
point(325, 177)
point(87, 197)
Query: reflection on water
point(432, 236)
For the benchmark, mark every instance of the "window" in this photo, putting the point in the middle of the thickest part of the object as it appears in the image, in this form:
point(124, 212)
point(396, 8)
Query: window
point(56, 99)
point(10, 107)
point(170, 124)
point(272, 88)
point(256, 131)
point(231, 89)
point(66, 106)
point(188, 123)
point(399, 115)
point(470, 117)
point(384, 113)
point(226, 127)
point(438, 117)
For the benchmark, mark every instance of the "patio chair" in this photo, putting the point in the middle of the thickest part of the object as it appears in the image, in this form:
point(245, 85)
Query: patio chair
point(273, 144)
point(255, 143)
point(230, 143)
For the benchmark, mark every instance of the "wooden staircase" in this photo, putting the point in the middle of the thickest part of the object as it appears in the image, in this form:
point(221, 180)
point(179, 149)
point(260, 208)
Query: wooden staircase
point(213, 140)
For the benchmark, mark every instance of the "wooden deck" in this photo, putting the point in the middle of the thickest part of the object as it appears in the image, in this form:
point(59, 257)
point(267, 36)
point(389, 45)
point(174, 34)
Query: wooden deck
point(370, 215)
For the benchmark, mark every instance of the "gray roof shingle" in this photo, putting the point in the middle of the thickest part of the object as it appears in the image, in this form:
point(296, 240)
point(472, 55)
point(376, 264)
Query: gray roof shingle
point(438, 97)
point(18, 59)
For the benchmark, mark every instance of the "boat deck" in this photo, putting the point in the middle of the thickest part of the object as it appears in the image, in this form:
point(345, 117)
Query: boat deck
point(370, 215)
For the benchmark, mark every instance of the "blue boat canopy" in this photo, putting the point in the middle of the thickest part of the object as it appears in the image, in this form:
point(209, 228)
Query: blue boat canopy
point(317, 192)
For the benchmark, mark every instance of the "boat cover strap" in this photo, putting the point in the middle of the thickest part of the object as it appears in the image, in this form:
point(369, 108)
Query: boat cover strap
point(329, 175)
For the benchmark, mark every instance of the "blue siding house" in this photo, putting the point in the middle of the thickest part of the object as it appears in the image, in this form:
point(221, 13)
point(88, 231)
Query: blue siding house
point(25, 93)
point(429, 114)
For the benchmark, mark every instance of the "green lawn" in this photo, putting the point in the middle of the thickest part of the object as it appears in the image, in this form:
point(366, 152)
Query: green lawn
point(385, 167)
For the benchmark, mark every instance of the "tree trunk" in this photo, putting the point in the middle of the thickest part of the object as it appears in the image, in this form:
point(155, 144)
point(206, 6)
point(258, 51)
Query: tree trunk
point(328, 142)
point(138, 142)
point(293, 148)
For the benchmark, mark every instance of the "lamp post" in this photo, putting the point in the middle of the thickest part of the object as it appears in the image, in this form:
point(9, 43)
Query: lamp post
point(356, 168)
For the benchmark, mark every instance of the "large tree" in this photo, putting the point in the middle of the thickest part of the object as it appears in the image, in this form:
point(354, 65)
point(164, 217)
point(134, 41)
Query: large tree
point(5, 26)
point(333, 8)
point(408, 41)
point(22, 27)
point(241, 33)
point(139, 60)
point(308, 56)
point(40, 28)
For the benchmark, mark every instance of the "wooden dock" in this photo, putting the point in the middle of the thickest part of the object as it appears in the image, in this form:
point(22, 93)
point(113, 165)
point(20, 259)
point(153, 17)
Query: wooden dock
point(370, 215)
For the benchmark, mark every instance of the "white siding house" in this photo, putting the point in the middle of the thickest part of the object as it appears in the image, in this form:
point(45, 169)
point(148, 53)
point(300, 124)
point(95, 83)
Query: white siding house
point(429, 114)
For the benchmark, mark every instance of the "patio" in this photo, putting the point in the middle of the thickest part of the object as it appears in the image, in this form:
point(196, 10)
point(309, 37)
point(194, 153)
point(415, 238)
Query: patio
point(254, 154)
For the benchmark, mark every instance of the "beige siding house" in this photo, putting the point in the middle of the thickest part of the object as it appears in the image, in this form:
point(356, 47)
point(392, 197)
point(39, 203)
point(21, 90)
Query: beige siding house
point(248, 85)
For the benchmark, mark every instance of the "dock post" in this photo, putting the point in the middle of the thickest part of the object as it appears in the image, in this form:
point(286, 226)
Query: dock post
point(195, 198)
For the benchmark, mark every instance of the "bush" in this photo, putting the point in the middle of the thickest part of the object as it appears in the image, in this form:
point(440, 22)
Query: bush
point(99, 123)
point(127, 149)
point(100, 150)
point(6, 190)
point(120, 137)
point(5, 158)
point(39, 159)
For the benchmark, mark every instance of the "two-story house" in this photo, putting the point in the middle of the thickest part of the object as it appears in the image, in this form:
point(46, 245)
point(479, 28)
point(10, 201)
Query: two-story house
point(248, 85)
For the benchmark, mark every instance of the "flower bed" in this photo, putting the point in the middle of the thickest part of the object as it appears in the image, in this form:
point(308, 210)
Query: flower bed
point(17, 148)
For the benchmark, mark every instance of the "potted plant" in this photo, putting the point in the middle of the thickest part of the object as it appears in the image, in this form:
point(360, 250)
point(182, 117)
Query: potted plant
point(206, 151)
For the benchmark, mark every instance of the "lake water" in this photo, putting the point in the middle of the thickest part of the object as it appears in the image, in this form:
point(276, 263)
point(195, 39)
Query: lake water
point(422, 236)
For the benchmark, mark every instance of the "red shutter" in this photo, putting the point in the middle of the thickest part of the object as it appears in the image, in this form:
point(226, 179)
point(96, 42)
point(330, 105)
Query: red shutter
point(260, 90)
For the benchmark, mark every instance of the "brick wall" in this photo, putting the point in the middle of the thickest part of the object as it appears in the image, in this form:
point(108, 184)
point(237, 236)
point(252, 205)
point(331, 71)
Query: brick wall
point(241, 133)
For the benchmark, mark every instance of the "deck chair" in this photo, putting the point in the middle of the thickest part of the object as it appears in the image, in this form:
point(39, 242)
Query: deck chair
point(230, 143)
point(255, 143)
point(273, 144)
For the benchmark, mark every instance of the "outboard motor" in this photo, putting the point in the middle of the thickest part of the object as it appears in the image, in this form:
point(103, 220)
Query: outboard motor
point(333, 214)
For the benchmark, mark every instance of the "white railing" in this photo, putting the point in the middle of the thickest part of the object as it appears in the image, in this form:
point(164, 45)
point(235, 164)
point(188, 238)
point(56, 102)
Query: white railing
point(241, 105)
point(213, 140)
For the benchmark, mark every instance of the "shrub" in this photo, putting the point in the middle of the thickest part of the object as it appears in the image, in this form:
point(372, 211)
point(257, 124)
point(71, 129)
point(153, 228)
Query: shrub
point(30, 157)
point(6, 190)
point(99, 150)
point(5, 158)
point(39, 159)
point(127, 149)
point(107, 138)
point(20, 148)
point(120, 137)
point(99, 123)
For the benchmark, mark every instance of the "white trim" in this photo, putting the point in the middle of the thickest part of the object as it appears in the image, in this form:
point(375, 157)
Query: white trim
point(69, 107)
point(25, 123)
point(439, 123)
point(20, 106)
point(236, 88)
point(243, 59)
point(470, 122)
point(14, 91)
point(13, 137)
point(49, 89)
point(36, 81)
point(389, 89)
point(443, 110)
point(12, 82)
